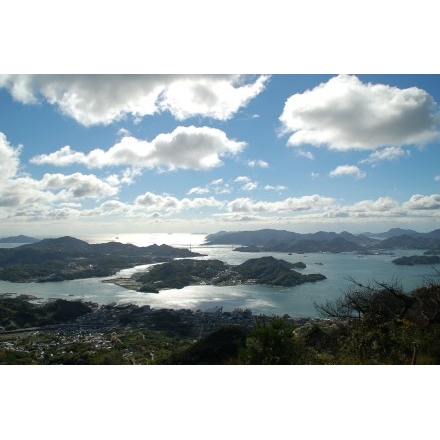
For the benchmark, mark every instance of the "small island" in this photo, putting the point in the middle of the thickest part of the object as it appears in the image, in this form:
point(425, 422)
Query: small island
point(417, 259)
point(177, 274)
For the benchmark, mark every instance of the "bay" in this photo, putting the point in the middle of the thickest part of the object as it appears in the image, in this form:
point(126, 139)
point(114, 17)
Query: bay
point(296, 301)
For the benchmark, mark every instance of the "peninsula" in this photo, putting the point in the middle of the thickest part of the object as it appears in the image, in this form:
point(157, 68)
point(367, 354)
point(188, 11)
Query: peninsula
point(67, 258)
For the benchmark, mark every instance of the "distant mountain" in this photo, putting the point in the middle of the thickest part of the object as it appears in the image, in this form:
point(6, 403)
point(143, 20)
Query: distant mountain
point(19, 239)
point(271, 240)
point(395, 232)
point(419, 241)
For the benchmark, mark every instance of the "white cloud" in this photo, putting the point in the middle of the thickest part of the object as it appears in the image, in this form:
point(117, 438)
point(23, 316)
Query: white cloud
point(306, 154)
point(386, 154)
point(421, 202)
point(78, 185)
point(258, 163)
point(248, 184)
point(382, 204)
point(123, 132)
point(242, 179)
point(9, 158)
point(103, 99)
point(198, 190)
point(277, 188)
point(20, 192)
point(197, 148)
point(437, 178)
point(347, 170)
point(346, 114)
point(156, 202)
point(217, 186)
point(304, 203)
point(213, 96)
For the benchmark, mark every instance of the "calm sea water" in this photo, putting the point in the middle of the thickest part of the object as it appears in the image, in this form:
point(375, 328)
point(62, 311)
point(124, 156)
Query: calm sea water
point(297, 301)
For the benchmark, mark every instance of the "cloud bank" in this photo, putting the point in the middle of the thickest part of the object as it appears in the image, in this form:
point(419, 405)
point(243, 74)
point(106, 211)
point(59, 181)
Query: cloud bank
point(103, 99)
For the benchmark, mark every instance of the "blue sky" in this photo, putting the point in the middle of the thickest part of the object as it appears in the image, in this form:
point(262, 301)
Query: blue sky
point(202, 153)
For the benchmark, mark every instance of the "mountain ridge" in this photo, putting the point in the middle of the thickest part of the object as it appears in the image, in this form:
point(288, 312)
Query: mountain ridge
point(267, 240)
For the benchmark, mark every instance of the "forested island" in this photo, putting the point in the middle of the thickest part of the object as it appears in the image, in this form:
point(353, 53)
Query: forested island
point(181, 273)
point(68, 258)
point(417, 259)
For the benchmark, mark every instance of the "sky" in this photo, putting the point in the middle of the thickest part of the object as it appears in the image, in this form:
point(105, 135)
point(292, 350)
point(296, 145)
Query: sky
point(203, 153)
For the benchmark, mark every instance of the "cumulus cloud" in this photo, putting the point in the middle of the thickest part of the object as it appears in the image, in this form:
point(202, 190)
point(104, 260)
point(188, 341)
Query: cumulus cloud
point(197, 148)
point(165, 202)
point(198, 190)
point(242, 179)
point(103, 99)
point(257, 163)
point(437, 178)
point(277, 188)
point(78, 185)
point(9, 158)
point(217, 186)
point(54, 196)
point(347, 170)
point(421, 202)
point(306, 154)
point(345, 114)
point(249, 185)
point(382, 204)
point(304, 203)
point(386, 154)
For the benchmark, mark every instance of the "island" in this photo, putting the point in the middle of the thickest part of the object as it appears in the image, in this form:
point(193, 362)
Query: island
point(177, 274)
point(417, 259)
point(68, 258)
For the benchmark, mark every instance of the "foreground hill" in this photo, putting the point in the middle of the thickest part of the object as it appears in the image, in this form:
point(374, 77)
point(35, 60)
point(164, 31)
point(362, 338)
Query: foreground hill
point(272, 240)
point(180, 273)
point(68, 258)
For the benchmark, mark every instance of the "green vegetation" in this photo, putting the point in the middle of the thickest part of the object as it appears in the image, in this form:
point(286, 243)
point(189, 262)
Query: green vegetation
point(16, 313)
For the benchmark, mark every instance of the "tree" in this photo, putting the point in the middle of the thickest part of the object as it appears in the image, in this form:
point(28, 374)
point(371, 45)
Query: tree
point(375, 300)
point(271, 343)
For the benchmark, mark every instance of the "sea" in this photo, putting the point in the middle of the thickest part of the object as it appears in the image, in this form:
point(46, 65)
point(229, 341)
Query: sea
point(296, 301)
